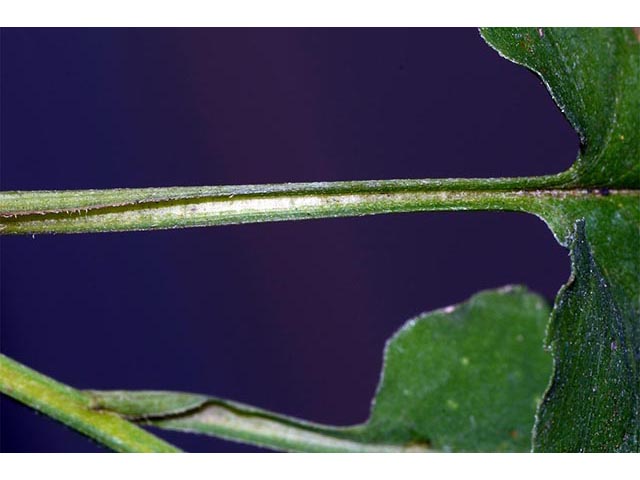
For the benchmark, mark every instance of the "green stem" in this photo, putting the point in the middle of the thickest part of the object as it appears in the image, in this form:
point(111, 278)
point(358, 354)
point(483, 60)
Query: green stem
point(164, 208)
point(271, 431)
point(73, 408)
point(195, 413)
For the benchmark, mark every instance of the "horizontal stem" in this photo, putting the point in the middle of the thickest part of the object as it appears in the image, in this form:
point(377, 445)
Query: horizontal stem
point(25, 202)
point(73, 408)
point(175, 207)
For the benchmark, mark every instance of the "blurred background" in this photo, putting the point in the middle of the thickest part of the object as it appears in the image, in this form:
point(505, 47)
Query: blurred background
point(290, 317)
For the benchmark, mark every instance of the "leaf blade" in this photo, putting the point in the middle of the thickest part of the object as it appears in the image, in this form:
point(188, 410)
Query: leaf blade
point(593, 76)
point(596, 410)
point(593, 402)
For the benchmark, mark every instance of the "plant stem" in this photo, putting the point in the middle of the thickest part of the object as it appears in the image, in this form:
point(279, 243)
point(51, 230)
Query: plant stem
point(174, 207)
point(72, 408)
point(269, 431)
point(238, 422)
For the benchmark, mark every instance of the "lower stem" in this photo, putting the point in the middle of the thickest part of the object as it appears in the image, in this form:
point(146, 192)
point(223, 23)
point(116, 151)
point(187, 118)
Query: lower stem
point(72, 408)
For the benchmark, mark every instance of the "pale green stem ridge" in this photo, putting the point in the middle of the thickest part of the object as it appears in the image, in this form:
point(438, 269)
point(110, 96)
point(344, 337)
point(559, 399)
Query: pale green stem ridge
point(176, 207)
point(73, 408)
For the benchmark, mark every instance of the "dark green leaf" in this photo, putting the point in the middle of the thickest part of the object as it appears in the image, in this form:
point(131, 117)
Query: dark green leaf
point(594, 76)
point(593, 402)
point(465, 378)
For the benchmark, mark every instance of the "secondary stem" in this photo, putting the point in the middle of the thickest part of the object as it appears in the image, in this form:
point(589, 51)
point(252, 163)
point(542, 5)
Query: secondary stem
point(72, 408)
point(234, 421)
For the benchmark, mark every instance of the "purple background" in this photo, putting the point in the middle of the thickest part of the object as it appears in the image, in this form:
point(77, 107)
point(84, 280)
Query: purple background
point(287, 316)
